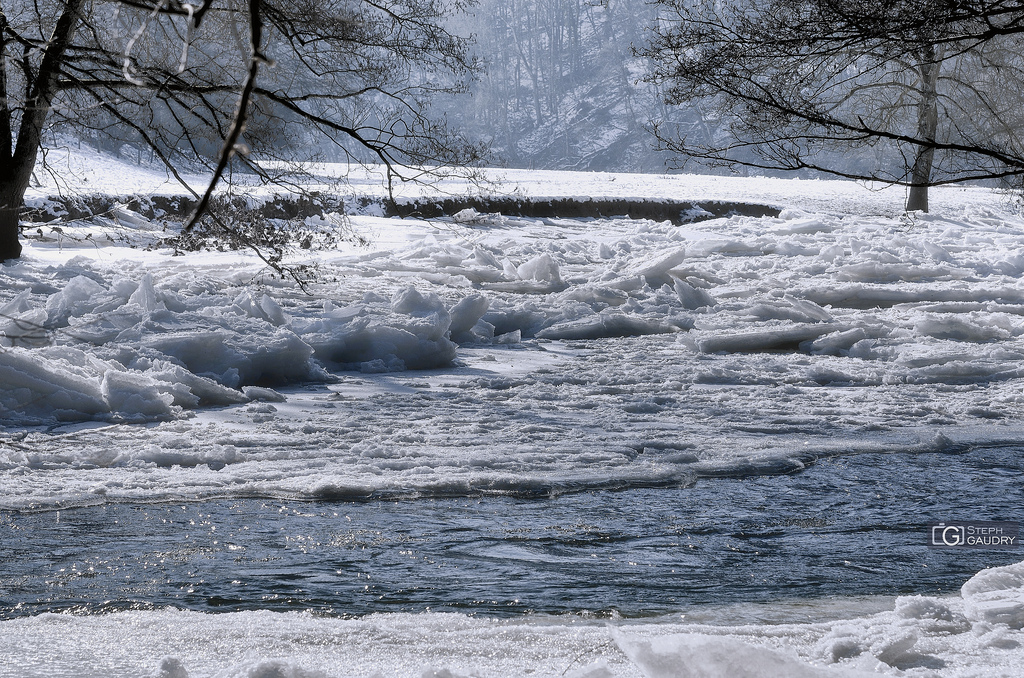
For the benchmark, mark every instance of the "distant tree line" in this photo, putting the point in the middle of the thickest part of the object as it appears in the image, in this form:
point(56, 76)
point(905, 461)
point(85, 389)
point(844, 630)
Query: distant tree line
point(560, 87)
point(915, 92)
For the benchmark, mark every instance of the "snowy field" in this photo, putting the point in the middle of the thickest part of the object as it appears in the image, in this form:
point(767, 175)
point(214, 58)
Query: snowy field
point(489, 354)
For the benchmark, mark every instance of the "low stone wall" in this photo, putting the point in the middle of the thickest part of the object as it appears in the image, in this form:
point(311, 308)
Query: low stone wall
point(73, 208)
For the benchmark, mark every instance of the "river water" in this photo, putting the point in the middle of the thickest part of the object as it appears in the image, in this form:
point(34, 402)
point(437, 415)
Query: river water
point(845, 526)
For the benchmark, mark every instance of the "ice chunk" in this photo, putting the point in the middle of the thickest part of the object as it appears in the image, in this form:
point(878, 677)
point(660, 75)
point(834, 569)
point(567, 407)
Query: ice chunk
point(513, 337)
point(79, 288)
point(76, 297)
point(416, 338)
point(145, 296)
point(134, 394)
point(273, 311)
point(466, 313)
point(700, 656)
point(409, 301)
point(959, 329)
point(605, 325)
point(936, 251)
point(18, 304)
point(482, 257)
point(692, 297)
point(996, 596)
point(68, 384)
point(343, 314)
point(38, 384)
point(541, 268)
point(389, 347)
point(432, 320)
point(783, 338)
point(189, 390)
point(796, 222)
point(267, 395)
point(894, 648)
point(261, 354)
point(522, 318)
point(888, 643)
point(789, 308)
point(122, 214)
point(265, 309)
point(865, 349)
point(896, 271)
point(467, 216)
point(22, 325)
point(835, 342)
point(655, 268)
point(936, 614)
point(397, 348)
point(597, 297)
point(710, 246)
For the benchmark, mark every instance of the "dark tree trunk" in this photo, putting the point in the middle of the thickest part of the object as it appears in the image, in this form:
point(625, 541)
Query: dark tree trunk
point(927, 129)
point(10, 247)
point(18, 166)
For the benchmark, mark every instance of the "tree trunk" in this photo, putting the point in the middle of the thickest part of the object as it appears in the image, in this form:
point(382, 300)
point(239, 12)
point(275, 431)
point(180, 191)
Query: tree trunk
point(15, 175)
point(10, 247)
point(927, 129)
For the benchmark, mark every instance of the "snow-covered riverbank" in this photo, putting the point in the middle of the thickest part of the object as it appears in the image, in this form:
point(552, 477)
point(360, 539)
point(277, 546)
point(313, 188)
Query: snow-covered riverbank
point(491, 354)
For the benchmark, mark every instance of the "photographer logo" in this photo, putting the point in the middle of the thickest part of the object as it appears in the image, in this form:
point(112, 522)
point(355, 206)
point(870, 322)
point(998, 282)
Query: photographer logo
point(974, 534)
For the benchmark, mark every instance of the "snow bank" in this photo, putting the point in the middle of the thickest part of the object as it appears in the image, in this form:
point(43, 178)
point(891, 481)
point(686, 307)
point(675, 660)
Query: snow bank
point(978, 634)
point(701, 656)
point(996, 596)
point(915, 636)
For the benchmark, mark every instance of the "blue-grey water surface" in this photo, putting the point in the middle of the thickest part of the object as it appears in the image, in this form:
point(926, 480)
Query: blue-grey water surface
point(847, 526)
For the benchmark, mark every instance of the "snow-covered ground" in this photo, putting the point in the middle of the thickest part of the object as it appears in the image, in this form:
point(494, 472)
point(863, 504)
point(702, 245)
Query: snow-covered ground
point(978, 634)
point(496, 354)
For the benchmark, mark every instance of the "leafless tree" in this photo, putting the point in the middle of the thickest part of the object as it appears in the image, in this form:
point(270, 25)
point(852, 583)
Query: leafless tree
point(228, 81)
point(914, 92)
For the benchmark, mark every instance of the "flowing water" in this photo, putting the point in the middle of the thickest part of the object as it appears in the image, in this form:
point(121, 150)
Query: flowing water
point(846, 526)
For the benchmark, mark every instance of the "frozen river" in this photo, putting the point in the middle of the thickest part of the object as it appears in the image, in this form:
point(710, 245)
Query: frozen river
point(505, 446)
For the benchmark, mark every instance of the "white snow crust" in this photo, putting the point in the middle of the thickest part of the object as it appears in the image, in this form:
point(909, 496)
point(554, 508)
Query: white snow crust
point(911, 636)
